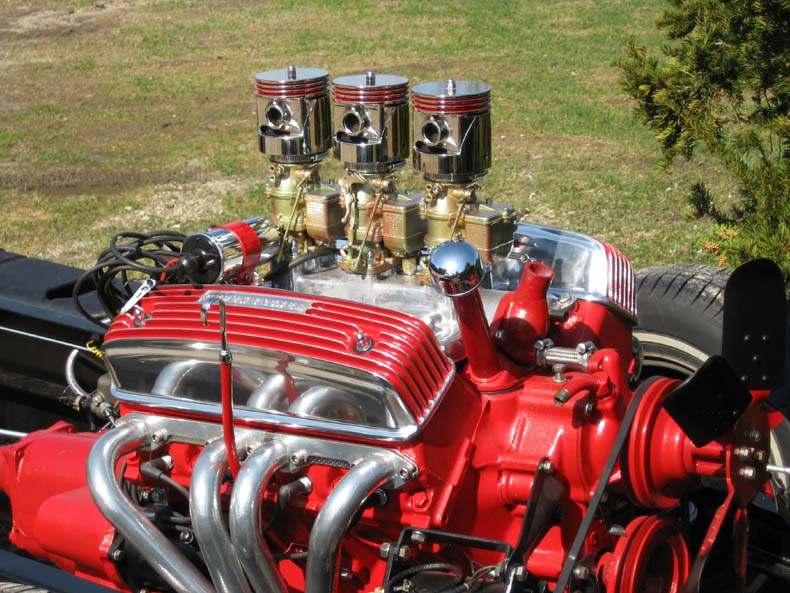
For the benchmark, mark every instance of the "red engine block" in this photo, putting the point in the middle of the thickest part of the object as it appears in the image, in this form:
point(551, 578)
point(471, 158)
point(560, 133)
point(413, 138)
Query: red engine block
point(479, 457)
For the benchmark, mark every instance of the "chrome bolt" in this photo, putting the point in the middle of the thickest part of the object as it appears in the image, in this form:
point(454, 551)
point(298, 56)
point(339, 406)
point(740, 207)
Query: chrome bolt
point(747, 472)
point(384, 550)
point(363, 343)
point(742, 452)
point(404, 553)
point(451, 87)
point(581, 572)
point(546, 466)
point(299, 458)
point(559, 373)
point(186, 537)
point(520, 573)
point(759, 455)
point(291, 72)
point(589, 408)
point(617, 531)
point(117, 555)
point(754, 435)
point(417, 537)
point(159, 437)
point(370, 78)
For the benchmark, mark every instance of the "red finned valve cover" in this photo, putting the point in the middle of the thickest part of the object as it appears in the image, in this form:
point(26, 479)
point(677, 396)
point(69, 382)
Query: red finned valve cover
point(305, 362)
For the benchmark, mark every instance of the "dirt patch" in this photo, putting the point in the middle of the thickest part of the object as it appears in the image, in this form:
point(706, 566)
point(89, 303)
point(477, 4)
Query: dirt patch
point(82, 181)
point(64, 21)
point(179, 206)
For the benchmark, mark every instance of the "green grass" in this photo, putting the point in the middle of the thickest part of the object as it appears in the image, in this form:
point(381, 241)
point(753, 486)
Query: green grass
point(142, 115)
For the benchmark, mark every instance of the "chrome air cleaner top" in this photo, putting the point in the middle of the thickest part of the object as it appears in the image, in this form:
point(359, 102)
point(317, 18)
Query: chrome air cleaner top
point(371, 113)
point(293, 114)
point(452, 130)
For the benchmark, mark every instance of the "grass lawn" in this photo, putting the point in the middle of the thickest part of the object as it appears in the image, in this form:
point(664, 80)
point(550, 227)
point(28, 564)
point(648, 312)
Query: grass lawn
point(136, 115)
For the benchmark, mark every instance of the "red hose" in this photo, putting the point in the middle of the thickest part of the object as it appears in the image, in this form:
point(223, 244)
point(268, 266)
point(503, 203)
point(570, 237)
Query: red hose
point(228, 435)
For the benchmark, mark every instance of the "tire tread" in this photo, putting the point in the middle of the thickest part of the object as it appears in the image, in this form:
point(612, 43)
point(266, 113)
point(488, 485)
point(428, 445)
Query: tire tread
point(683, 299)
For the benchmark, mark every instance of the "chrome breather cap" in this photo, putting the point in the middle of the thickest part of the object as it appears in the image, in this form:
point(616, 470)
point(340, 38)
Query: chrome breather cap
point(293, 114)
point(456, 268)
point(371, 121)
point(452, 130)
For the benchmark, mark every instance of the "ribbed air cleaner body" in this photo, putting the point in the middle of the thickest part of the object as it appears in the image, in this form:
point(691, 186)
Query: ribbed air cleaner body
point(293, 114)
point(452, 130)
point(371, 115)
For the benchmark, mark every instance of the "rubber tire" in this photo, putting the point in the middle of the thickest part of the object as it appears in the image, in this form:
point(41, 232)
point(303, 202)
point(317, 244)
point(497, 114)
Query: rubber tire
point(680, 317)
point(680, 325)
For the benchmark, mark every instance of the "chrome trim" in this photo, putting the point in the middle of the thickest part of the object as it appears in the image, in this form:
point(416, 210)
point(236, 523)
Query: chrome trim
point(127, 518)
point(12, 434)
point(43, 338)
point(245, 512)
point(259, 301)
point(205, 506)
point(609, 304)
point(159, 404)
point(71, 376)
point(336, 515)
point(246, 356)
point(313, 398)
point(309, 450)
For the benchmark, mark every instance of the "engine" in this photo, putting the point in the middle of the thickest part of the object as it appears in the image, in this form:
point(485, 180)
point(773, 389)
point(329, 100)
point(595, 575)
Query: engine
point(376, 390)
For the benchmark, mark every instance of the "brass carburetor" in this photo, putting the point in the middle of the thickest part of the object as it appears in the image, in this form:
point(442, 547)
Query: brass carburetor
point(452, 147)
point(294, 130)
point(382, 228)
point(371, 138)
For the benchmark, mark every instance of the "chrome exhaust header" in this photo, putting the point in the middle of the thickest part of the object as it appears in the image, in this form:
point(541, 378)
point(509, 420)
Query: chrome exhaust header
point(128, 519)
point(205, 508)
point(245, 511)
point(237, 554)
point(335, 517)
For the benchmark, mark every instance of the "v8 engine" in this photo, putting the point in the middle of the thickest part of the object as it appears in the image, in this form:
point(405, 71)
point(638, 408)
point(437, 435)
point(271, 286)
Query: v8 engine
point(376, 390)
